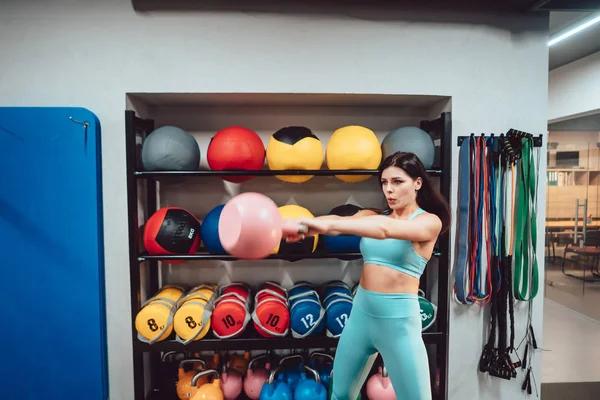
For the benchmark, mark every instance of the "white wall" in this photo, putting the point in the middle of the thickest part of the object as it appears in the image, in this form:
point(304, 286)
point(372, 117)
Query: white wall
point(90, 53)
point(574, 89)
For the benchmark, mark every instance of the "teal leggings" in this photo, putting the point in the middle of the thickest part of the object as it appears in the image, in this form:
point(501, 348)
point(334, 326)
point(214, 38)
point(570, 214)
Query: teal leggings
point(391, 325)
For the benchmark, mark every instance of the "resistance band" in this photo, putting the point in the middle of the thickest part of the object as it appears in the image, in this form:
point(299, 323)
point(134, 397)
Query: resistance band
point(497, 225)
point(462, 277)
point(473, 282)
point(495, 357)
point(526, 266)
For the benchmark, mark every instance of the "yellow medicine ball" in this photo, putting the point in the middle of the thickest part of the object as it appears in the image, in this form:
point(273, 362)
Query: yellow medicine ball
point(353, 147)
point(304, 246)
point(294, 147)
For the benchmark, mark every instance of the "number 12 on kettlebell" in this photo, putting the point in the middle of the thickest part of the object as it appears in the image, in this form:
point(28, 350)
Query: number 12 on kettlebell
point(341, 320)
point(311, 321)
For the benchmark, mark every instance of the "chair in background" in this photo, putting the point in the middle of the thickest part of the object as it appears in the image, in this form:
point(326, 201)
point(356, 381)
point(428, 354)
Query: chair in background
point(587, 256)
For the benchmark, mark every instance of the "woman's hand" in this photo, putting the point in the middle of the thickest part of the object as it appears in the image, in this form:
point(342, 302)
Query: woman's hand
point(313, 227)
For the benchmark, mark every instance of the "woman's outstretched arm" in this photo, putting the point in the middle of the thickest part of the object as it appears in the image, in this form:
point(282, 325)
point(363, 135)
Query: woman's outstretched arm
point(360, 214)
point(423, 228)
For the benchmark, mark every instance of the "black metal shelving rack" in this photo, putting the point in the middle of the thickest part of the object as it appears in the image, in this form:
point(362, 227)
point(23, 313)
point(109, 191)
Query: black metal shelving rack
point(440, 128)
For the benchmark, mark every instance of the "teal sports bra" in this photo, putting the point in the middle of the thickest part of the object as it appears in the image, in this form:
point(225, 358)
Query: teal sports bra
point(394, 253)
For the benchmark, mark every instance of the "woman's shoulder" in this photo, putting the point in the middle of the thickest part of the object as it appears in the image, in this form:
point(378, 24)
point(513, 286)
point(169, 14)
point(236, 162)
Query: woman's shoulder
point(429, 218)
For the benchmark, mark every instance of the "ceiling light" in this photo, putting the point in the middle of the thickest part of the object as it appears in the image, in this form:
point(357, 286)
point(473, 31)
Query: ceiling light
point(573, 31)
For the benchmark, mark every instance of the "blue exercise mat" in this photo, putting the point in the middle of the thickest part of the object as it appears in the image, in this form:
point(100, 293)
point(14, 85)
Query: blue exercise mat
point(53, 328)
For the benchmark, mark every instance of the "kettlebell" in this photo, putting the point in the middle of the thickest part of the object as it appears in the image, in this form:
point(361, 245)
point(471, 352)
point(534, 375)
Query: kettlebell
point(239, 362)
point(256, 377)
point(324, 369)
point(213, 363)
point(208, 391)
point(308, 389)
point(169, 372)
point(291, 375)
point(379, 386)
point(185, 389)
point(275, 389)
point(231, 383)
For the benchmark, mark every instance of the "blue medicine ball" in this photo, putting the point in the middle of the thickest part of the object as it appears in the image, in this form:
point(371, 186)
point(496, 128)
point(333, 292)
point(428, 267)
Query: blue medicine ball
point(343, 243)
point(210, 231)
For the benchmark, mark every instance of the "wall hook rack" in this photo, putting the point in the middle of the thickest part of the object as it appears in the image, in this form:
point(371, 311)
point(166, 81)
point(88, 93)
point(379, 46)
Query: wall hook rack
point(537, 140)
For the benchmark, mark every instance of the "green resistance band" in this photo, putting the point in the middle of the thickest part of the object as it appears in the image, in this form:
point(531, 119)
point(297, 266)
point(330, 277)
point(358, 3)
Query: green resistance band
point(526, 227)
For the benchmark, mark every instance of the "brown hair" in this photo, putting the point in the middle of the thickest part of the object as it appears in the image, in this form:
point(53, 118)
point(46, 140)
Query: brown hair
point(428, 198)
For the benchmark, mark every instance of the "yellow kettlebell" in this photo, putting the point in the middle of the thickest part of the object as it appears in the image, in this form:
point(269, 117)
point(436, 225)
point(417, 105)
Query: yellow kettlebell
point(172, 292)
point(185, 388)
point(192, 320)
point(204, 291)
point(154, 321)
point(208, 391)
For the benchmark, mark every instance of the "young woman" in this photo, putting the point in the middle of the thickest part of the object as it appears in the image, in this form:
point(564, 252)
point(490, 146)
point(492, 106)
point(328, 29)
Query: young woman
point(396, 245)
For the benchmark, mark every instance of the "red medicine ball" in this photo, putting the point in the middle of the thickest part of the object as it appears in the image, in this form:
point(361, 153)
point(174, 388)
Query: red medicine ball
point(172, 230)
point(234, 148)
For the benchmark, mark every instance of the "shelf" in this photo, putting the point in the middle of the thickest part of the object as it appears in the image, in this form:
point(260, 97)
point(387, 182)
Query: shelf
point(253, 341)
point(199, 101)
point(569, 170)
point(225, 257)
point(264, 172)
point(205, 113)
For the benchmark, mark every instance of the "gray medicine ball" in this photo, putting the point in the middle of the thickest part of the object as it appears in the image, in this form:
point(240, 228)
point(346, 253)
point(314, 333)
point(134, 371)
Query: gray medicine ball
point(170, 148)
point(412, 140)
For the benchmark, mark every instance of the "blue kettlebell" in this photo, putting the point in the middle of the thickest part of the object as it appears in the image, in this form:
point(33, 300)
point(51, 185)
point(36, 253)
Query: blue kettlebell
point(323, 368)
point(275, 389)
point(307, 317)
point(337, 312)
point(300, 288)
point(336, 286)
point(291, 376)
point(309, 389)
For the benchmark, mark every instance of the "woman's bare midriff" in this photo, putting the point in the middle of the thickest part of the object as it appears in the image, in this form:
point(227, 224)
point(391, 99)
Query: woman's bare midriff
point(378, 278)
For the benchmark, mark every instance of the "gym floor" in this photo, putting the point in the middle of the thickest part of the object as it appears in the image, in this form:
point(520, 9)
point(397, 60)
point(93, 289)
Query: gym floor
point(571, 335)
point(569, 291)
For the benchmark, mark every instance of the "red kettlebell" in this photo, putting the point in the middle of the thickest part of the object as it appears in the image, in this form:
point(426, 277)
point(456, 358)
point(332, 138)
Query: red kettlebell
point(379, 386)
point(271, 289)
point(239, 288)
point(256, 377)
